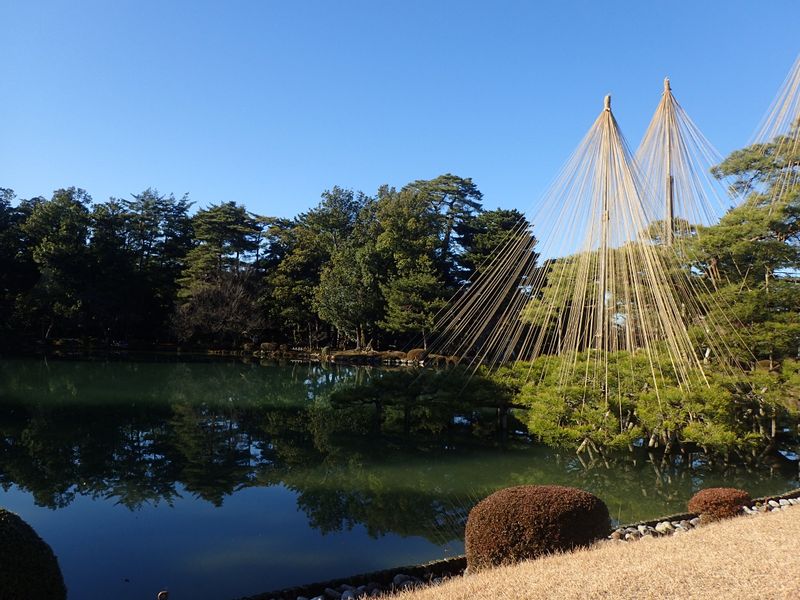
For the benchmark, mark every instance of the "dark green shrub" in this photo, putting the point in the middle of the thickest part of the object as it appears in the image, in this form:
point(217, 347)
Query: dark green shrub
point(525, 522)
point(713, 504)
point(28, 568)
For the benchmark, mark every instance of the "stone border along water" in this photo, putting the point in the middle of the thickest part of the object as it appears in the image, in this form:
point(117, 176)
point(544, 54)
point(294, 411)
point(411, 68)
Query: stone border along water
point(372, 584)
point(388, 581)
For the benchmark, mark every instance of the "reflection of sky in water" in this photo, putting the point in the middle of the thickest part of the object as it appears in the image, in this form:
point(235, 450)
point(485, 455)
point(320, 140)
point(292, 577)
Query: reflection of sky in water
point(306, 491)
point(257, 541)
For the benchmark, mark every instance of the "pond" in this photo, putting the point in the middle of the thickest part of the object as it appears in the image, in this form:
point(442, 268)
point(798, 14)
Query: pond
point(225, 479)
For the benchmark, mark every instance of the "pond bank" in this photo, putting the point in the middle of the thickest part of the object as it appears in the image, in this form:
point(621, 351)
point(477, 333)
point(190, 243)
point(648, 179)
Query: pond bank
point(413, 358)
point(439, 573)
point(741, 558)
point(74, 349)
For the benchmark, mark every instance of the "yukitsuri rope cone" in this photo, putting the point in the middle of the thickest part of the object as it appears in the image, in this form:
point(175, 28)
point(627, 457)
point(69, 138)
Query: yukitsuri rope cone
point(778, 136)
point(676, 162)
point(600, 285)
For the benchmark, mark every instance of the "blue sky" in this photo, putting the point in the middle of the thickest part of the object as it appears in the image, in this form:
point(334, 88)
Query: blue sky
point(269, 103)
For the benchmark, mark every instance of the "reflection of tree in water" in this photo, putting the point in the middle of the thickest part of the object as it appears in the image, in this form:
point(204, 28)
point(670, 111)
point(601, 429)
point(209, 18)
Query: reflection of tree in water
point(132, 431)
point(403, 454)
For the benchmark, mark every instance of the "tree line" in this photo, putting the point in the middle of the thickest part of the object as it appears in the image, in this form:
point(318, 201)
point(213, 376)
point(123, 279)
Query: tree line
point(355, 271)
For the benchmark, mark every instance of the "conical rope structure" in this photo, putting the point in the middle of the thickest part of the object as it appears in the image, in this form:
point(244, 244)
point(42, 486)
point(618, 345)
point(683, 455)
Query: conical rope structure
point(676, 162)
point(601, 286)
point(778, 136)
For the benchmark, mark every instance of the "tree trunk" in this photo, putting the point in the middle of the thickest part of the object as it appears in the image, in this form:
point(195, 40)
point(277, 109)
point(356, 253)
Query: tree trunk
point(713, 271)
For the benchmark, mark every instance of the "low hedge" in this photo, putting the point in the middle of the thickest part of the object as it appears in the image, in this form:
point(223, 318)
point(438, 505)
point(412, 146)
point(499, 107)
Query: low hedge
point(28, 568)
point(713, 504)
point(525, 522)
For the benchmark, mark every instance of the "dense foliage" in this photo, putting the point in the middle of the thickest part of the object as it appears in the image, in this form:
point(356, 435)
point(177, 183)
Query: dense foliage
point(744, 415)
point(354, 271)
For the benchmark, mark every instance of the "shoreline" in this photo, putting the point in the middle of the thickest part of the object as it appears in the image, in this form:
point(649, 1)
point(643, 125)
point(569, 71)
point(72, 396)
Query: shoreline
point(426, 575)
point(741, 558)
point(76, 349)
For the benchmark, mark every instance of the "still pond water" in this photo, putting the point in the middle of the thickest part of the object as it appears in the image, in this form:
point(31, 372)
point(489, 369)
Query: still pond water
point(223, 479)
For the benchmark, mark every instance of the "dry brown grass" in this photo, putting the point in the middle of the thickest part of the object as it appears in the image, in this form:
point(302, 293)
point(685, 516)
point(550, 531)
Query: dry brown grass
point(741, 558)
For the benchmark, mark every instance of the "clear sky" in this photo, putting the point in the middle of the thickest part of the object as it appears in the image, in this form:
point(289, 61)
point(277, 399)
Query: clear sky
point(269, 103)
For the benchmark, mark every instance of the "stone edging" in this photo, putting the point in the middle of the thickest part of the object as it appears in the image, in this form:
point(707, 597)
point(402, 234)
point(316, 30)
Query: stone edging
point(386, 580)
point(681, 523)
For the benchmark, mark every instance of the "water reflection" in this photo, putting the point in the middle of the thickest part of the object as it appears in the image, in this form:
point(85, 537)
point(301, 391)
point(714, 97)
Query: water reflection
point(412, 461)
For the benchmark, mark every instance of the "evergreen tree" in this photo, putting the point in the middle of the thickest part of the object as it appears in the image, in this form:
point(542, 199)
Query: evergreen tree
point(752, 256)
point(158, 235)
point(413, 297)
point(112, 286)
point(307, 245)
point(219, 299)
point(485, 234)
point(56, 234)
point(452, 200)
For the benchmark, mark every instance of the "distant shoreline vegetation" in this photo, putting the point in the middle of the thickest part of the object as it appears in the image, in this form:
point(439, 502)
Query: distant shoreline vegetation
point(356, 271)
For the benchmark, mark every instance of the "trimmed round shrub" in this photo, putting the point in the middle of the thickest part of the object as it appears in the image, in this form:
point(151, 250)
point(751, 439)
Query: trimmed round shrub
point(416, 355)
point(436, 360)
point(528, 521)
point(28, 567)
point(713, 504)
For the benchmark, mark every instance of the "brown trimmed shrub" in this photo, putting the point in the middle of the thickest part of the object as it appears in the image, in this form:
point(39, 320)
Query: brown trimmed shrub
point(416, 355)
point(28, 567)
point(713, 504)
point(527, 521)
point(392, 355)
point(436, 360)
